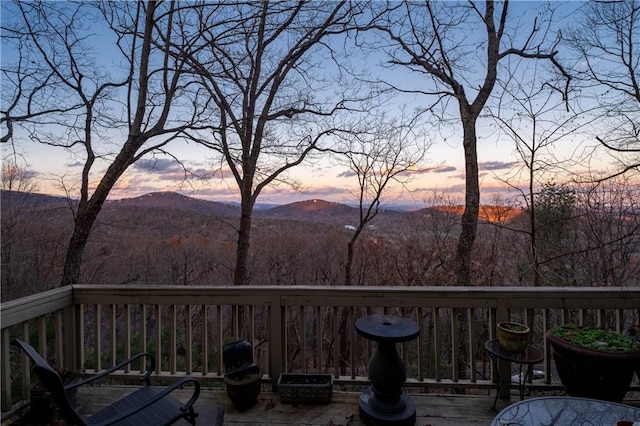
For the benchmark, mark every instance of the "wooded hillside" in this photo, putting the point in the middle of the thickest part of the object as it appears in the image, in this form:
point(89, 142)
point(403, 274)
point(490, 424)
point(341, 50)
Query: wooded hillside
point(167, 238)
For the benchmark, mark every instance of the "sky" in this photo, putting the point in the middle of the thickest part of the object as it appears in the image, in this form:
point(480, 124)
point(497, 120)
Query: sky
point(442, 171)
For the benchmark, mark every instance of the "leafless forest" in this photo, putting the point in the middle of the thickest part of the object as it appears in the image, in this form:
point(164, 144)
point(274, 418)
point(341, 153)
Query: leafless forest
point(166, 238)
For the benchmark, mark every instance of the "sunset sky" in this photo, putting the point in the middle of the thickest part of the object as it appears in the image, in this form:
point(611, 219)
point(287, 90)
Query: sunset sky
point(441, 172)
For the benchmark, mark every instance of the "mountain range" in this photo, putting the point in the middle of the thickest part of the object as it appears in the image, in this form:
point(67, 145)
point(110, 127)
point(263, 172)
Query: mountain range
point(314, 210)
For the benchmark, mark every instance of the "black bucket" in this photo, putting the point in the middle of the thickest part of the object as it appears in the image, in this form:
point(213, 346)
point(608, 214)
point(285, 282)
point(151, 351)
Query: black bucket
point(237, 355)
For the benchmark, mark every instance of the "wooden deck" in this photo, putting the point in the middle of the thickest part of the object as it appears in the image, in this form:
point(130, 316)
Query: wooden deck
point(432, 409)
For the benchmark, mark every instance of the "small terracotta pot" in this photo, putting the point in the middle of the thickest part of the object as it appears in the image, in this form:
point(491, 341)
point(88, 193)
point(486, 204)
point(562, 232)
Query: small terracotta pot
point(513, 336)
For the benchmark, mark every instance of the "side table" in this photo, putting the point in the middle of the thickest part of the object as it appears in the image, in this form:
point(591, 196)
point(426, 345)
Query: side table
point(528, 358)
point(387, 403)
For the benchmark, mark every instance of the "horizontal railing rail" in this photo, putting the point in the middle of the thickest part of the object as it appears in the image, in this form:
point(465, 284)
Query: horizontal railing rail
point(293, 329)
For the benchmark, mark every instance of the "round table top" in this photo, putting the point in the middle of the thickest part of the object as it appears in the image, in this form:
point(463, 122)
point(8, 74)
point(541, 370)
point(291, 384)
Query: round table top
point(564, 410)
point(531, 355)
point(387, 328)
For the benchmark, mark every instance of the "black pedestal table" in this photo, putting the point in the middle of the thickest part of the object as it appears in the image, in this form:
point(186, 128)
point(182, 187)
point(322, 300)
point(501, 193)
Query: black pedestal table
point(387, 402)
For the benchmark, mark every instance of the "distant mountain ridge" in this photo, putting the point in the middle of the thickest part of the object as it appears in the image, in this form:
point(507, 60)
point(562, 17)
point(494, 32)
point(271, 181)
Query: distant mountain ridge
point(310, 210)
point(178, 201)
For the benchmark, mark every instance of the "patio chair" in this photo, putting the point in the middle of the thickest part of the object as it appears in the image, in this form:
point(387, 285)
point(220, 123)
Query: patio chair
point(148, 405)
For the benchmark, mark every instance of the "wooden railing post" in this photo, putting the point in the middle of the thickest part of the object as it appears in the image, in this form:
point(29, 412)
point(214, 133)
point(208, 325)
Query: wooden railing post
point(71, 344)
point(6, 371)
point(276, 339)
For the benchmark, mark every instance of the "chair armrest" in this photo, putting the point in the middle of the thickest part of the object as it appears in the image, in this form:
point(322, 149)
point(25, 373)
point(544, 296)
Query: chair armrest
point(186, 406)
point(102, 374)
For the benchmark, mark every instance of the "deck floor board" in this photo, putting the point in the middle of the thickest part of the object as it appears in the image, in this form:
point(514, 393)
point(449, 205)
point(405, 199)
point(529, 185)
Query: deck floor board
point(432, 409)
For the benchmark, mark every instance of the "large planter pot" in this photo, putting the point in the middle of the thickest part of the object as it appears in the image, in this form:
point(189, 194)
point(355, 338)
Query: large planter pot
point(243, 386)
point(513, 336)
point(590, 373)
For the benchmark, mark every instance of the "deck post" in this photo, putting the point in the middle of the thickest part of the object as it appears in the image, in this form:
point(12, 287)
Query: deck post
point(71, 344)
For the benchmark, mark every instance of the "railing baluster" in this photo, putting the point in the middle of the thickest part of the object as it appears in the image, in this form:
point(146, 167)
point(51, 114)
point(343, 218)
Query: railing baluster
point(419, 353)
point(235, 322)
point(189, 341)
point(319, 323)
point(546, 314)
point(143, 334)
point(600, 315)
point(127, 334)
point(619, 320)
point(403, 345)
point(204, 321)
point(455, 348)
point(219, 338)
point(59, 347)
point(81, 338)
point(158, 353)
point(42, 336)
point(98, 336)
point(252, 330)
point(173, 342)
point(352, 340)
point(472, 348)
point(437, 341)
point(112, 331)
point(26, 370)
point(336, 343)
point(303, 340)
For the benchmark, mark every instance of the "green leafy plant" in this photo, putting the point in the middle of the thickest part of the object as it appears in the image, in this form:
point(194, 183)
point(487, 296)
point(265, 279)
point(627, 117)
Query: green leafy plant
point(513, 326)
point(596, 338)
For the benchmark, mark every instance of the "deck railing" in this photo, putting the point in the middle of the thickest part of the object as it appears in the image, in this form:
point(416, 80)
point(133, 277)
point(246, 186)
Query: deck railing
point(292, 329)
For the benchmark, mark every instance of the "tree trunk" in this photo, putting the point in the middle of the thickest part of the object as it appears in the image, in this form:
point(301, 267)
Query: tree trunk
point(244, 237)
point(88, 211)
point(83, 224)
point(472, 202)
point(350, 252)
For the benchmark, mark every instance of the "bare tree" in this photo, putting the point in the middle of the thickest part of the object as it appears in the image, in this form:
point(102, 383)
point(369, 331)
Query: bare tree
point(276, 89)
point(535, 118)
point(607, 70)
point(68, 94)
point(379, 156)
point(458, 49)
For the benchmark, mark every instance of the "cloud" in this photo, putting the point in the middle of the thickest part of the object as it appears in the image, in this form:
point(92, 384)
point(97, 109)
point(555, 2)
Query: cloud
point(156, 165)
point(76, 164)
point(497, 165)
point(346, 174)
point(444, 169)
point(411, 172)
point(426, 170)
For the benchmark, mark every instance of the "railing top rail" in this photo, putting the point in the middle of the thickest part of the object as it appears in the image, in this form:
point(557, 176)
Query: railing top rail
point(19, 310)
point(399, 296)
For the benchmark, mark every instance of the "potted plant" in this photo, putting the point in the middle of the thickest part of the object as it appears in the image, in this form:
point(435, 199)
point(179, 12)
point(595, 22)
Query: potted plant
point(592, 362)
point(242, 377)
point(243, 386)
point(513, 336)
